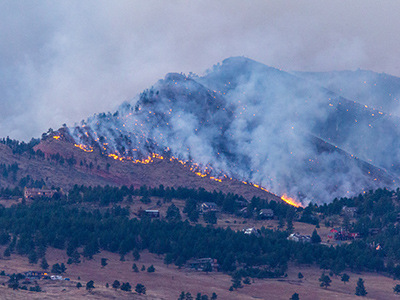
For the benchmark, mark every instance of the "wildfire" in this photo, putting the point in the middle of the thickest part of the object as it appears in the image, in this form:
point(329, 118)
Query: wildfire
point(291, 201)
point(56, 137)
point(194, 169)
point(84, 147)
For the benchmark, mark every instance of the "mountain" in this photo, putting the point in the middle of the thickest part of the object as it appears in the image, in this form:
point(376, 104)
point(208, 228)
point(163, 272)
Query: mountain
point(247, 121)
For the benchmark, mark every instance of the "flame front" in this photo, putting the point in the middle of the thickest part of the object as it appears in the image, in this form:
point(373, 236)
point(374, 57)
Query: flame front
point(291, 201)
point(194, 169)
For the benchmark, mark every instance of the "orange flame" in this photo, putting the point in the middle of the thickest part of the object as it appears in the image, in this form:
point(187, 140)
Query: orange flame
point(56, 137)
point(291, 201)
point(84, 147)
point(205, 173)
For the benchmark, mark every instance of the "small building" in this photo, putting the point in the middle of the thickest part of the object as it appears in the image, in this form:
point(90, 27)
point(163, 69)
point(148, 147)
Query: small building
point(209, 207)
point(349, 211)
point(36, 275)
point(266, 213)
point(32, 193)
point(203, 264)
point(241, 204)
point(341, 234)
point(250, 231)
point(297, 237)
point(152, 213)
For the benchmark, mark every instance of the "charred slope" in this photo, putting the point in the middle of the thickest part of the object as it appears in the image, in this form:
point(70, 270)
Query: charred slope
point(254, 123)
point(379, 90)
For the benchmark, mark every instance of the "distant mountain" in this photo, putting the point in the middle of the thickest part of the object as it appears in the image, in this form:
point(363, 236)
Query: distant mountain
point(379, 90)
point(286, 132)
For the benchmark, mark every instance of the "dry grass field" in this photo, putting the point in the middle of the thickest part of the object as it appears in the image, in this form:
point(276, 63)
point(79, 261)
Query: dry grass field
point(167, 282)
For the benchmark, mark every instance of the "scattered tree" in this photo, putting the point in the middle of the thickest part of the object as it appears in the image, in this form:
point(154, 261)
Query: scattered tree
point(90, 285)
point(116, 284)
point(295, 296)
point(325, 280)
point(135, 268)
point(44, 265)
point(300, 276)
point(345, 278)
point(151, 269)
point(360, 289)
point(103, 262)
point(126, 287)
point(140, 289)
point(78, 285)
point(396, 289)
point(315, 238)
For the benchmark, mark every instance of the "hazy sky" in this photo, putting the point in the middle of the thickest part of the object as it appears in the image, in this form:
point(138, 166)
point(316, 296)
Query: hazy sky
point(62, 61)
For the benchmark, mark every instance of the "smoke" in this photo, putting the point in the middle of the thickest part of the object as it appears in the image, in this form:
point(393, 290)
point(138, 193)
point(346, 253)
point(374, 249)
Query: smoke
point(254, 123)
point(63, 61)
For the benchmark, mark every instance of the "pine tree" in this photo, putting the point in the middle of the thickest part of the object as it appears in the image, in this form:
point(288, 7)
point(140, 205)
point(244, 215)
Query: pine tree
point(135, 268)
point(140, 289)
point(103, 262)
point(295, 296)
point(396, 289)
point(325, 280)
point(44, 265)
point(116, 284)
point(315, 238)
point(360, 289)
point(90, 285)
point(345, 278)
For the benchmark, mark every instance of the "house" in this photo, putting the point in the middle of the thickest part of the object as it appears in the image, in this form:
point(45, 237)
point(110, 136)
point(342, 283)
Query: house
point(296, 237)
point(266, 213)
point(152, 213)
point(209, 207)
point(36, 275)
point(341, 234)
point(203, 264)
point(241, 204)
point(251, 231)
point(349, 211)
point(32, 193)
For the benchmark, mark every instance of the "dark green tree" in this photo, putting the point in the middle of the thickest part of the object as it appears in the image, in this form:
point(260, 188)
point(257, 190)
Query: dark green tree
point(300, 276)
point(295, 296)
point(315, 238)
point(140, 289)
point(135, 268)
point(360, 289)
point(44, 265)
point(214, 296)
point(210, 217)
point(345, 278)
point(126, 287)
point(116, 284)
point(78, 285)
point(396, 289)
point(173, 214)
point(103, 262)
point(136, 254)
point(7, 252)
point(325, 281)
point(90, 285)
point(151, 269)
point(56, 268)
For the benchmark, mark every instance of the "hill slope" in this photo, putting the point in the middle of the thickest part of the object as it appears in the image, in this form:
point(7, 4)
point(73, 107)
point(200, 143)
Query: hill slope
point(254, 123)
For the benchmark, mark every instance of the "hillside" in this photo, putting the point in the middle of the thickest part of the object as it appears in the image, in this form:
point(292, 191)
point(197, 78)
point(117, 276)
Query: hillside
point(257, 124)
point(93, 168)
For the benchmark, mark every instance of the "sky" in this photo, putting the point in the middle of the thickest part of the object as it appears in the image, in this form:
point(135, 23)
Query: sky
point(61, 61)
